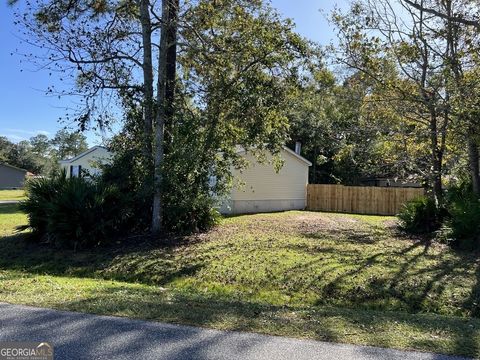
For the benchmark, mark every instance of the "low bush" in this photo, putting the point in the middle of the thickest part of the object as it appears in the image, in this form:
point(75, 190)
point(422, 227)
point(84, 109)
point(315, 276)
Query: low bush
point(420, 216)
point(75, 212)
point(462, 226)
point(456, 222)
point(185, 215)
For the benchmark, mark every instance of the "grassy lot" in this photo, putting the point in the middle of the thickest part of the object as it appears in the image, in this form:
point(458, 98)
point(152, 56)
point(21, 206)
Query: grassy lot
point(342, 278)
point(12, 195)
point(10, 217)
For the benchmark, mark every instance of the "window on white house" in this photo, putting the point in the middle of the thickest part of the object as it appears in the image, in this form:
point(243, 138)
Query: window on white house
point(75, 171)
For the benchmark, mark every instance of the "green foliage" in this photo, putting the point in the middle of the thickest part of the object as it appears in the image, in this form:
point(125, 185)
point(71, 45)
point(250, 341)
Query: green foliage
point(191, 164)
point(462, 226)
point(456, 222)
point(189, 213)
point(39, 154)
point(68, 144)
point(75, 212)
point(86, 214)
point(240, 84)
point(41, 193)
point(22, 156)
point(420, 216)
point(231, 93)
point(129, 175)
point(238, 63)
point(189, 204)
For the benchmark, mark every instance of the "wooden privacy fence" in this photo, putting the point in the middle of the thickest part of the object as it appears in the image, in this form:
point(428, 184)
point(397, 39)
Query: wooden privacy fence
point(359, 199)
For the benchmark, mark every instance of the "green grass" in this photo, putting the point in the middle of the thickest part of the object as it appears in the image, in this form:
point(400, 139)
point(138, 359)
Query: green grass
point(12, 195)
point(10, 218)
point(343, 278)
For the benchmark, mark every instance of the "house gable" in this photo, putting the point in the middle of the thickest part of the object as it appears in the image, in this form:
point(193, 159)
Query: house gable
point(87, 161)
point(260, 188)
point(11, 177)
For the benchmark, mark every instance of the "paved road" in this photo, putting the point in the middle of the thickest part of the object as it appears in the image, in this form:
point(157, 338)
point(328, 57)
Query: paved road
point(9, 202)
point(81, 336)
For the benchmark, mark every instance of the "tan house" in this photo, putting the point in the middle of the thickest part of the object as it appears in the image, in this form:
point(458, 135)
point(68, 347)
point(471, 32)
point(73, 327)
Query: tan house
point(87, 162)
point(11, 177)
point(259, 188)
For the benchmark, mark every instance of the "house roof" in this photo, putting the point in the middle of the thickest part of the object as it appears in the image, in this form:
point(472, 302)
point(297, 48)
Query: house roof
point(79, 156)
point(298, 156)
point(288, 150)
point(13, 167)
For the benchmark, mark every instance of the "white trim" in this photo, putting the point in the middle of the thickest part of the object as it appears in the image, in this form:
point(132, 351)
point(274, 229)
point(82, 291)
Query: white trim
point(299, 157)
point(79, 156)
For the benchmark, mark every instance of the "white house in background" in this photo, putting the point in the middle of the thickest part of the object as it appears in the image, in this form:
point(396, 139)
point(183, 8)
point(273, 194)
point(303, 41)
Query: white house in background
point(87, 161)
point(259, 188)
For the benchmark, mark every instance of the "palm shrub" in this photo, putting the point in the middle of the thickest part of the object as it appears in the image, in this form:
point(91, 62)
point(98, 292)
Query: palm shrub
point(75, 212)
point(85, 214)
point(40, 194)
point(420, 216)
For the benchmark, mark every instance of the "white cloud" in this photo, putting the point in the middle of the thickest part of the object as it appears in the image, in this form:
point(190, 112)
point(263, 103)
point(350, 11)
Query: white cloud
point(17, 135)
point(26, 132)
point(13, 138)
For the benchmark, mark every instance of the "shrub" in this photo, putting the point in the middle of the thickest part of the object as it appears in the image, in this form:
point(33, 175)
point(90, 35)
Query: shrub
point(190, 213)
point(420, 216)
point(129, 175)
point(40, 194)
point(188, 200)
point(462, 226)
point(75, 212)
point(456, 223)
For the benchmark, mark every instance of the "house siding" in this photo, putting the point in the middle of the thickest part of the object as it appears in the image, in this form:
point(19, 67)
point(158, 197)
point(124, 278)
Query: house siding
point(88, 162)
point(259, 188)
point(11, 178)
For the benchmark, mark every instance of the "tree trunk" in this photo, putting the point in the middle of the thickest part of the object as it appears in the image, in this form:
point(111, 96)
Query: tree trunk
point(147, 76)
point(437, 160)
point(473, 159)
point(164, 108)
point(171, 74)
point(437, 181)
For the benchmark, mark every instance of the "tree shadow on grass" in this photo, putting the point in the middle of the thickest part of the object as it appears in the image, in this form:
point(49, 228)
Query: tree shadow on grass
point(411, 285)
point(402, 274)
point(9, 209)
point(149, 263)
point(385, 329)
point(142, 261)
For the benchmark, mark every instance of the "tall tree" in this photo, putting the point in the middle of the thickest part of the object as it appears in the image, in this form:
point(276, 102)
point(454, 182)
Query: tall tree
point(68, 144)
point(41, 145)
point(460, 59)
point(6, 147)
point(117, 50)
point(165, 98)
point(397, 49)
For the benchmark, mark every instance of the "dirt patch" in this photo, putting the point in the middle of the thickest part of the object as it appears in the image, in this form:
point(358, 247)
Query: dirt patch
point(305, 223)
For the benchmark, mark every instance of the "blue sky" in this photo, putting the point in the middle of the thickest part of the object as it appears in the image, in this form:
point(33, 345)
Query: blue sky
point(26, 111)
